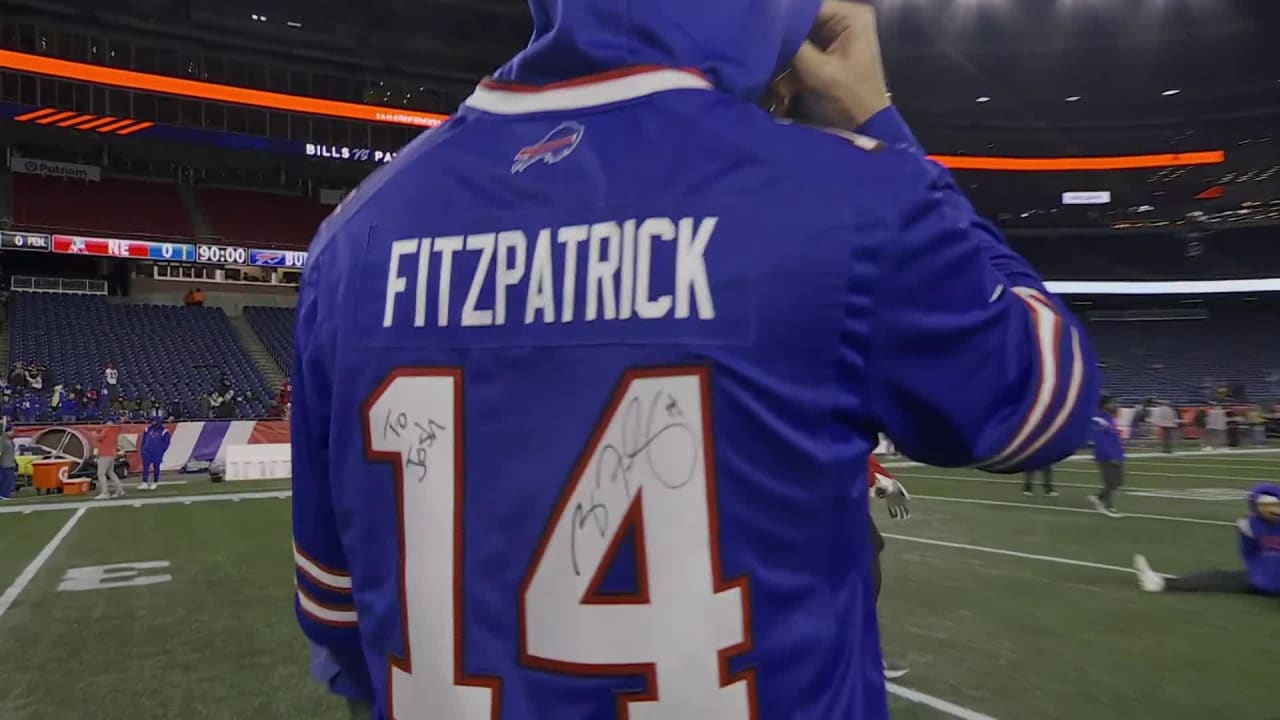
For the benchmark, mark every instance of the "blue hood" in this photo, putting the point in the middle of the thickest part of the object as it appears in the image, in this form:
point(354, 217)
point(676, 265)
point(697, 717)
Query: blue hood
point(1260, 490)
point(740, 45)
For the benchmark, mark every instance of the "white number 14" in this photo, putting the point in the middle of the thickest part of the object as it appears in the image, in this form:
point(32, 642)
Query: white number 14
point(647, 470)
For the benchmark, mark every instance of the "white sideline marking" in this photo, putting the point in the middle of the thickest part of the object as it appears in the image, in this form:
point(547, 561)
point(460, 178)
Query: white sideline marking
point(184, 499)
point(938, 704)
point(1188, 455)
point(1127, 489)
point(998, 481)
point(20, 584)
point(1127, 471)
point(1013, 553)
point(1007, 503)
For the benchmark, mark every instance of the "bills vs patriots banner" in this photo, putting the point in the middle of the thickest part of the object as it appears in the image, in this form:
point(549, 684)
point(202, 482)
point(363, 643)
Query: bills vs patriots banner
point(199, 441)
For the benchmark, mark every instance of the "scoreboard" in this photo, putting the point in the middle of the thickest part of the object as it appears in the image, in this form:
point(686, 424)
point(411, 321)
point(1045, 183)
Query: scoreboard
point(111, 247)
point(153, 250)
point(38, 242)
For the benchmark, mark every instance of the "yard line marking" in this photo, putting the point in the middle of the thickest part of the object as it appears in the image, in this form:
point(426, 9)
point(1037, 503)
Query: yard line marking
point(1087, 486)
point(1014, 553)
point(998, 481)
point(184, 499)
point(1006, 503)
point(1180, 456)
point(20, 584)
point(1179, 473)
point(938, 704)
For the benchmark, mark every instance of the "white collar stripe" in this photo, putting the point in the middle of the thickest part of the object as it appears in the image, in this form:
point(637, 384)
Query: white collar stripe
point(499, 101)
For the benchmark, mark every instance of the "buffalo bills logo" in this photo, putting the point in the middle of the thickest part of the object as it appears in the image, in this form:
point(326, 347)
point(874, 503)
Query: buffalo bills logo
point(553, 148)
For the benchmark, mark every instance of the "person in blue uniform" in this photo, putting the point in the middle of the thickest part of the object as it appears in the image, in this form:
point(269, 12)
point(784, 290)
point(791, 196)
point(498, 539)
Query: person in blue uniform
point(155, 442)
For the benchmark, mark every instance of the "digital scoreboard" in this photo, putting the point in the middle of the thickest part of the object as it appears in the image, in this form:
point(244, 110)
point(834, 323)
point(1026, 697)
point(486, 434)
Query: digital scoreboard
point(112, 247)
point(153, 250)
point(38, 242)
point(222, 255)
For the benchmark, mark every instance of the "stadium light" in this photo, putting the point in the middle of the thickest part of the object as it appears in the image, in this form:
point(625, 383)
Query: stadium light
point(293, 23)
point(1074, 98)
point(1170, 93)
point(984, 99)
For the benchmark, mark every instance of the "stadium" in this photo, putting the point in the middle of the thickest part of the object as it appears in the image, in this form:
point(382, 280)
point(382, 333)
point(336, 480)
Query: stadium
point(169, 162)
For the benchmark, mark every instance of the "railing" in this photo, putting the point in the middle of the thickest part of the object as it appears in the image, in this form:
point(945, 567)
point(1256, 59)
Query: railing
point(65, 286)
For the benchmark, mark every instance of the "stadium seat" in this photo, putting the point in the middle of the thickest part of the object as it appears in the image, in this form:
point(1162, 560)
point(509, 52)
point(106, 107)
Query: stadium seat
point(274, 326)
point(260, 219)
point(162, 351)
point(111, 206)
point(1187, 360)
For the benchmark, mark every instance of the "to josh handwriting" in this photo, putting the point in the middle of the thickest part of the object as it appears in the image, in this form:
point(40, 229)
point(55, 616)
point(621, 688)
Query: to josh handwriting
point(400, 425)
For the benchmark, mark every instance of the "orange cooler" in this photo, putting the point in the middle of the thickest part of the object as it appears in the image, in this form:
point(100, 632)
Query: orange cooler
point(51, 474)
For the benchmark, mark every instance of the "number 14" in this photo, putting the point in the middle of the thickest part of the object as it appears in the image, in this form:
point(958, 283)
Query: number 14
point(647, 467)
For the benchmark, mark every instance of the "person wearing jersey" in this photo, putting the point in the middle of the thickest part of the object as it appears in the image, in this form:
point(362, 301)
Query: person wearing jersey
point(1108, 453)
point(155, 443)
point(106, 442)
point(897, 501)
point(585, 380)
point(1259, 541)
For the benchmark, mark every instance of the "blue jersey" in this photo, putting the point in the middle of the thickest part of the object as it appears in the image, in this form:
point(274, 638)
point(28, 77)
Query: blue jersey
point(586, 380)
point(1108, 446)
point(1260, 543)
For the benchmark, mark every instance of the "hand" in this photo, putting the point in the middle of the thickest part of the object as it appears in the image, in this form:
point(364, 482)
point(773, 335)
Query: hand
point(895, 496)
point(839, 67)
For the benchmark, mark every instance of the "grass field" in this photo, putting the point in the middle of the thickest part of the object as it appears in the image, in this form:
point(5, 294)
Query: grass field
point(1005, 606)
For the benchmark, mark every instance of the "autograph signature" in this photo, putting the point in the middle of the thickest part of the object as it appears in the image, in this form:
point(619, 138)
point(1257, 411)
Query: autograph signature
point(658, 440)
point(399, 425)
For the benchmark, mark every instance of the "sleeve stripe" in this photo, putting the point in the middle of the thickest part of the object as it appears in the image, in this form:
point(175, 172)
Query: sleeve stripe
point(1073, 396)
point(337, 616)
point(1048, 327)
point(326, 577)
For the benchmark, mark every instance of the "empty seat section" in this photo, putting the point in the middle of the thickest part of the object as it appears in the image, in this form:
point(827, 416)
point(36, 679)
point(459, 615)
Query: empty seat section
point(260, 219)
point(162, 351)
point(110, 206)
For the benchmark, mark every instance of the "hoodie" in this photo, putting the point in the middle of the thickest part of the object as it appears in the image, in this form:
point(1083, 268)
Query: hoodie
point(739, 46)
point(613, 212)
point(155, 440)
point(1107, 443)
point(1260, 544)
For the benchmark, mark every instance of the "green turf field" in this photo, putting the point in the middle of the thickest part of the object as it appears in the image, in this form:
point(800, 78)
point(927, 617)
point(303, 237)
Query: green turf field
point(1005, 606)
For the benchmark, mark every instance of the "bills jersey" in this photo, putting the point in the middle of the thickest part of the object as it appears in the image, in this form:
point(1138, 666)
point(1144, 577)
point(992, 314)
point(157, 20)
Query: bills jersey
point(586, 381)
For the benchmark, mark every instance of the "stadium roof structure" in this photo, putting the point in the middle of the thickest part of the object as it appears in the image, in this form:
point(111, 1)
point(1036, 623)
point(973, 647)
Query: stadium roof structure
point(1031, 62)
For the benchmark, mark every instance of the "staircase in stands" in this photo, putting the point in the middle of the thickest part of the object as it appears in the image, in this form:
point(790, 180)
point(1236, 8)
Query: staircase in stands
point(257, 351)
point(6, 197)
point(199, 221)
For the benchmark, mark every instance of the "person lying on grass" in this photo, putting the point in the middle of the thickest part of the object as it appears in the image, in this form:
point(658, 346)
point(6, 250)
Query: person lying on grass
point(1259, 549)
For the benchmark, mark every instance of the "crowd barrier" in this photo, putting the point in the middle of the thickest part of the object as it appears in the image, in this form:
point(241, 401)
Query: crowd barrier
point(194, 441)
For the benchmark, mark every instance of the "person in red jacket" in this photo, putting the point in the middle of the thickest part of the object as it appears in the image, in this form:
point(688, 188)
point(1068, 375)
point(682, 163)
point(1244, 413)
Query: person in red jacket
point(886, 487)
point(107, 442)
